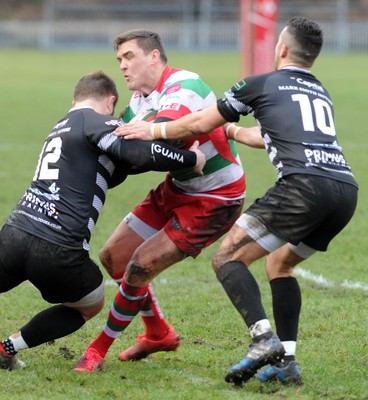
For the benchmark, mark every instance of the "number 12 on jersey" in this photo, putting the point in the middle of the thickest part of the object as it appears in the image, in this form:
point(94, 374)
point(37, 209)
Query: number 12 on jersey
point(50, 154)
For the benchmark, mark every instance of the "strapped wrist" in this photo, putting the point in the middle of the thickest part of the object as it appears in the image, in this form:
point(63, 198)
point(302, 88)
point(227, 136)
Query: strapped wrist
point(163, 130)
point(227, 129)
point(229, 134)
point(158, 133)
point(236, 131)
point(153, 131)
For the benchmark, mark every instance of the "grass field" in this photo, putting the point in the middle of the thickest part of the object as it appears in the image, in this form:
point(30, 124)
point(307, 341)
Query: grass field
point(36, 90)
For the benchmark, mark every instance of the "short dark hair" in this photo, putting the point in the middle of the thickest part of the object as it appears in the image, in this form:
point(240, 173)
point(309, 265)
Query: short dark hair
point(308, 38)
point(146, 40)
point(95, 85)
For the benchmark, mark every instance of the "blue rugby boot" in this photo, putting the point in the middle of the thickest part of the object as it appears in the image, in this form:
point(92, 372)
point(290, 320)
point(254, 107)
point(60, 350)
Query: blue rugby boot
point(287, 372)
point(264, 349)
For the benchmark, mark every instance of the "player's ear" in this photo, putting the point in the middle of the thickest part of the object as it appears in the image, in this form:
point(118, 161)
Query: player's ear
point(111, 104)
point(284, 50)
point(155, 54)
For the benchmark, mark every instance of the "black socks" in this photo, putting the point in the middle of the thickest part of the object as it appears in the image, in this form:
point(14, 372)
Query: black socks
point(53, 323)
point(243, 291)
point(287, 303)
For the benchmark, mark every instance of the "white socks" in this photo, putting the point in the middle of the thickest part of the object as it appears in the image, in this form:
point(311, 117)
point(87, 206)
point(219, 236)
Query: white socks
point(260, 327)
point(18, 342)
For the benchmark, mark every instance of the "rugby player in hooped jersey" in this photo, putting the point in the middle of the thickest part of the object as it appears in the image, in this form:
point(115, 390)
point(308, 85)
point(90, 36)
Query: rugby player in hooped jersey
point(313, 199)
point(179, 218)
point(46, 238)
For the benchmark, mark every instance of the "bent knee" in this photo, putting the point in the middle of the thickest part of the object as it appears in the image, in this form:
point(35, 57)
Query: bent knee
point(219, 258)
point(91, 311)
point(91, 304)
point(113, 268)
point(276, 271)
point(105, 256)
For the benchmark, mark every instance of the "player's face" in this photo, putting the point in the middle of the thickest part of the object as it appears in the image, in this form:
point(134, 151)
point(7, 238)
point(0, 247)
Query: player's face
point(135, 66)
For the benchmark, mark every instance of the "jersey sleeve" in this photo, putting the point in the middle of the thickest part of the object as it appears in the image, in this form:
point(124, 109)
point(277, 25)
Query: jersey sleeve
point(156, 156)
point(237, 100)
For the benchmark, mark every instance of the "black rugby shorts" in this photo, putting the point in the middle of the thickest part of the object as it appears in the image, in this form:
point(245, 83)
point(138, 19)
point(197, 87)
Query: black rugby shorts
point(306, 208)
point(60, 274)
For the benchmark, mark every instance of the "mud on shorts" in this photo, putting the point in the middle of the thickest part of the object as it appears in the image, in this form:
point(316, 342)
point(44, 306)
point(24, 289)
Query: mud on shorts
point(61, 275)
point(191, 222)
point(300, 209)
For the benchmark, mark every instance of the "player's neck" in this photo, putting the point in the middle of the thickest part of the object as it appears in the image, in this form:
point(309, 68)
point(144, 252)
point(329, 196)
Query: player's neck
point(289, 64)
point(152, 83)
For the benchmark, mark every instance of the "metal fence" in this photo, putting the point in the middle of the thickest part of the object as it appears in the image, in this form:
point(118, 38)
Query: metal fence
point(182, 28)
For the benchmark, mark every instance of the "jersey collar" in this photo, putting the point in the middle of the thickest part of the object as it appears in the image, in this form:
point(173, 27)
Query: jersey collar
point(292, 68)
point(79, 108)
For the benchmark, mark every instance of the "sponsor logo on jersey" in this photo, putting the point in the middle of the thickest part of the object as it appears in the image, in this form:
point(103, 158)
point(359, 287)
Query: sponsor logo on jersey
point(60, 128)
point(284, 87)
point(32, 201)
point(310, 85)
point(170, 106)
point(316, 156)
point(173, 89)
point(240, 85)
point(173, 97)
point(157, 148)
point(54, 189)
point(114, 122)
point(61, 124)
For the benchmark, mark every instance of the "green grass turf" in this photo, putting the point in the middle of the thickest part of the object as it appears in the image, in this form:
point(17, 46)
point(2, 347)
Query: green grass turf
point(36, 90)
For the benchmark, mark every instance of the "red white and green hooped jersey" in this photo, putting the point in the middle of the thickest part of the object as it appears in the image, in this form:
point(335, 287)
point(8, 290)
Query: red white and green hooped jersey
point(178, 93)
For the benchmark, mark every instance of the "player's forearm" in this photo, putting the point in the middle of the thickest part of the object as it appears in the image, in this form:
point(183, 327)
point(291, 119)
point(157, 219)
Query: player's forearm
point(191, 125)
point(249, 136)
point(156, 156)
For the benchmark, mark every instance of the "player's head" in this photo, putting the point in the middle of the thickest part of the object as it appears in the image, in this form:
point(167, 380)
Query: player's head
point(145, 39)
point(96, 86)
point(299, 43)
point(141, 58)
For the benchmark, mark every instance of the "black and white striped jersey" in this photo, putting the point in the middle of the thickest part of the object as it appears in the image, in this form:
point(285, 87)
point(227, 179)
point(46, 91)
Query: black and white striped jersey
point(79, 161)
point(296, 117)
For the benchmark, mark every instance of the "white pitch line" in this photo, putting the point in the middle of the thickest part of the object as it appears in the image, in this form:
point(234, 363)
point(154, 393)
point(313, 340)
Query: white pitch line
point(322, 281)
